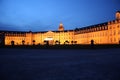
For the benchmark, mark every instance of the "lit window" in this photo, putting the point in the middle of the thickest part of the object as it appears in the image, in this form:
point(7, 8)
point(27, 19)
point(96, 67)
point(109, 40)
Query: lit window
point(119, 32)
point(118, 26)
point(114, 39)
point(111, 39)
point(106, 34)
point(102, 27)
point(113, 27)
point(110, 27)
point(114, 32)
point(98, 29)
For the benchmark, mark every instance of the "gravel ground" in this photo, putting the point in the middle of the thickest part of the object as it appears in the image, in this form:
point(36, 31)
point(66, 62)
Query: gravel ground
point(43, 64)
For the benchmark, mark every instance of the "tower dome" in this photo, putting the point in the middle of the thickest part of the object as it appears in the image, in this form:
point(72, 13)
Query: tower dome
point(118, 15)
point(61, 28)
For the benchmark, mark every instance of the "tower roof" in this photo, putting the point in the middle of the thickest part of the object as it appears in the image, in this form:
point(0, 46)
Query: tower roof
point(118, 11)
point(61, 28)
point(61, 24)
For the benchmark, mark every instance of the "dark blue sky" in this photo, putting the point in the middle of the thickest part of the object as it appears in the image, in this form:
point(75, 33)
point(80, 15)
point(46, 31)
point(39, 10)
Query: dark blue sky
point(44, 15)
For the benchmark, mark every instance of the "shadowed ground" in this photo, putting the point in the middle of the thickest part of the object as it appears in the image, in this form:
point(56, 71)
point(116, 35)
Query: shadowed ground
point(43, 64)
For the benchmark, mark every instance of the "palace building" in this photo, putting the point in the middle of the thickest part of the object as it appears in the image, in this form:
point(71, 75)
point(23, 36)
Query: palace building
point(104, 33)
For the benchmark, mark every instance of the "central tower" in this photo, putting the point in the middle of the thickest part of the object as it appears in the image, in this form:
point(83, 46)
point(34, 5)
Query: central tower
point(61, 28)
point(118, 15)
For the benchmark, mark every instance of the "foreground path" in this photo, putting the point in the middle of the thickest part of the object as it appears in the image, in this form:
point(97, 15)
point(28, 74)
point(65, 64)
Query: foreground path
point(43, 64)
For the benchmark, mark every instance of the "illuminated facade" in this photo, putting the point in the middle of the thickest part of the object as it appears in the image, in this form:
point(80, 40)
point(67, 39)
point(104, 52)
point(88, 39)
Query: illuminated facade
point(104, 33)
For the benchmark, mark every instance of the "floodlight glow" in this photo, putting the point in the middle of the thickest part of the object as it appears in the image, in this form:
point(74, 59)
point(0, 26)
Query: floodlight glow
point(48, 39)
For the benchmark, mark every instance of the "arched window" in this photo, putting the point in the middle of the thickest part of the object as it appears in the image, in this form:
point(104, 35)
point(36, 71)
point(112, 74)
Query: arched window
point(110, 27)
point(118, 26)
point(114, 32)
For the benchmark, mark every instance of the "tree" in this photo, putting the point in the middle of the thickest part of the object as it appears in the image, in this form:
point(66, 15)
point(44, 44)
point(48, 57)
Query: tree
point(33, 42)
point(23, 42)
point(75, 42)
point(72, 42)
point(92, 42)
point(57, 42)
point(12, 43)
point(66, 42)
point(46, 42)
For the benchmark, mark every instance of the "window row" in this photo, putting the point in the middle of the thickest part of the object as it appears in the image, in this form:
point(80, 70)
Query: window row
point(114, 32)
point(92, 29)
point(15, 35)
point(94, 35)
point(113, 27)
point(9, 38)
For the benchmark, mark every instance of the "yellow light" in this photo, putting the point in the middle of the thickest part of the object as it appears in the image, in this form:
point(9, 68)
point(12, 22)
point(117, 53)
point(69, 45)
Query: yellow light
point(48, 39)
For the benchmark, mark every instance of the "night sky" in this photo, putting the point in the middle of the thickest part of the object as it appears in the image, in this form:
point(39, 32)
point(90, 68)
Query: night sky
point(45, 15)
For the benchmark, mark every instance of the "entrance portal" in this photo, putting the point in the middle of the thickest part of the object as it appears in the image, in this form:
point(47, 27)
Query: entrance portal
point(49, 41)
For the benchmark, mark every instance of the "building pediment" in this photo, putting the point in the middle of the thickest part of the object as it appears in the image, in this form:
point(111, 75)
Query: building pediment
point(50, 33)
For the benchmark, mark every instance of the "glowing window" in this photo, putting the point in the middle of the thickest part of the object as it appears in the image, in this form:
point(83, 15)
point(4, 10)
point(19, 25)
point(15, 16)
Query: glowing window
point(118, 26)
